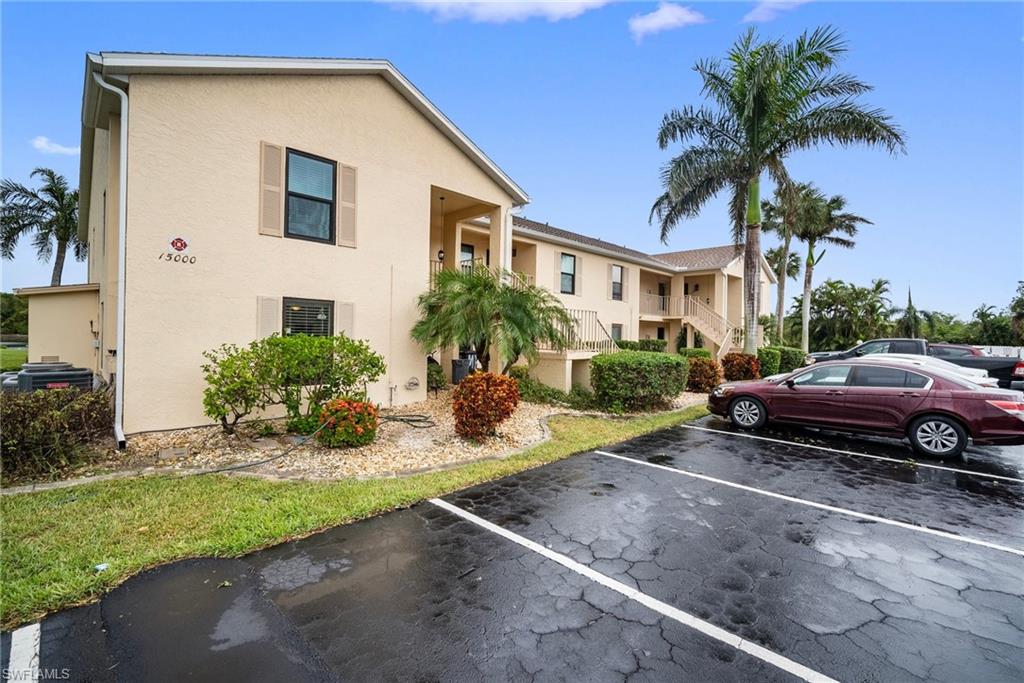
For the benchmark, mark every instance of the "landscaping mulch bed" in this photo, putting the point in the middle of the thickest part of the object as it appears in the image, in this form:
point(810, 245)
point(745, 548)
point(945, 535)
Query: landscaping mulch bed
point(399, 448)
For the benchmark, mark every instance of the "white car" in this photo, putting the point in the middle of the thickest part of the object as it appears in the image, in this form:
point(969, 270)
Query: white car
point(976, 375)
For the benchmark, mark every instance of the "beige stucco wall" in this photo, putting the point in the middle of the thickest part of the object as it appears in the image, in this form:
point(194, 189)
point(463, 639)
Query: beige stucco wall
point(592, 292)
point(61, 325)
point(194, 171)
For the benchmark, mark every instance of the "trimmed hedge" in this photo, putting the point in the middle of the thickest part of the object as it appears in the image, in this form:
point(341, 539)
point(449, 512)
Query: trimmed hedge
point(345, 422)
point(769, 359)
point(637, 380)
point(705, 375)
point(740, 366)
point(790, 358)
point(695, 353)
point(642, 344)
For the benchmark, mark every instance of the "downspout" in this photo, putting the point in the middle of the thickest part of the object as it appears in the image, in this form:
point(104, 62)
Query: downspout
point(122, 232)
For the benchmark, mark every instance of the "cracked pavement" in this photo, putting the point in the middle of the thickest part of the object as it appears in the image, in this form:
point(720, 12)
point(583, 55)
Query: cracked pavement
point(421, 594)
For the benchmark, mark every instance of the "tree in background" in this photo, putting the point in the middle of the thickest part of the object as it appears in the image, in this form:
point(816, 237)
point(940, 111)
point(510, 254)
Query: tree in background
point(791, 204)
point(843, 313)
point(826, 223)
point(771, 99)
point(910, 321)
point(483, 308)
point(49, 213)
point(13, 314)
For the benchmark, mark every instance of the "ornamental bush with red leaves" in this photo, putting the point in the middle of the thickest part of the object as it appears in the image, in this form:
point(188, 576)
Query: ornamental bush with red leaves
point(347, 422)
point(705, 374)
point(481, 402)
point(740, 366)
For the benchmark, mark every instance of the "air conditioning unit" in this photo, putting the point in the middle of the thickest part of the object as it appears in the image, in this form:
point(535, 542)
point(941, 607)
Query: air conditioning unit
point(60, 375)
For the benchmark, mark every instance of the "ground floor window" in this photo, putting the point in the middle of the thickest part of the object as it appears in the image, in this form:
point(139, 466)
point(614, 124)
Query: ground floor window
point(661, 333)
point(616, 331)
point(314, 317)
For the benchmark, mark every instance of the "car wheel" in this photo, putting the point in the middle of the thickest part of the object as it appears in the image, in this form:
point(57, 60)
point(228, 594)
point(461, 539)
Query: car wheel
point(938, 436)
point(748, 413)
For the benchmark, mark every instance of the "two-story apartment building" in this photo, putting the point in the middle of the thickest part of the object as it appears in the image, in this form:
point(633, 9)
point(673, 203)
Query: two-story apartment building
point(228, 198)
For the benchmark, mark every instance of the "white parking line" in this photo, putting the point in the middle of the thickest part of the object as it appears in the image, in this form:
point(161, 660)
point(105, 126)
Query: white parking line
point(854, 453)
point(24, 660)
point(753, 649)
point(822, 506)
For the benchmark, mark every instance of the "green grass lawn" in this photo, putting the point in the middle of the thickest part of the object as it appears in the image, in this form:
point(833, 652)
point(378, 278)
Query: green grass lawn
point(52, 540)
point(12, 359)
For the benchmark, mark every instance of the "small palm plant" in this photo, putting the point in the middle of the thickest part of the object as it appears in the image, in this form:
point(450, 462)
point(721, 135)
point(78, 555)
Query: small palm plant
point(486, 309)
point(51, 212)
point(770, 100)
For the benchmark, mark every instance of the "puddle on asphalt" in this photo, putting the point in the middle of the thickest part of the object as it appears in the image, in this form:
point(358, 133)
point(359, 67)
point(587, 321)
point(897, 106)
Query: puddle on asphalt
point(659, 459)
point(240, 624)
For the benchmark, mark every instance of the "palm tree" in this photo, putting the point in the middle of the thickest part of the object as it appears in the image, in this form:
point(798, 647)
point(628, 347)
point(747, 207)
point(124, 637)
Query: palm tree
point(827, 223)
point(912, 320)
point(485, 309)
point(51, 212)
point(771, 99)
point(791, 203)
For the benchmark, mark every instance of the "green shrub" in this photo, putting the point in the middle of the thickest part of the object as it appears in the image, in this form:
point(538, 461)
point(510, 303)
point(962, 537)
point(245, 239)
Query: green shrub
point(637, 380)
point(345, 422)
point(481, 402)
point(532, 391)
point(235, 385)
point(790, 358)
point(642, 344)
point(695, 353)
point(740, 366)
point(435, 377)
point(769, 359)
point(299, 372)
point(705, 375)
point(43, 431)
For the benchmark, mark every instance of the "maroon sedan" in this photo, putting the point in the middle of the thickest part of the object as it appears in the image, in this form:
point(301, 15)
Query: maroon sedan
point(937, 411)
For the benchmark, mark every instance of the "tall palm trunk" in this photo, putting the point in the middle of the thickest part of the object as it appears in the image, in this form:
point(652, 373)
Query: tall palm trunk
point(751, 268)
point(805, 316)
point(780, 303)
point(58, 263)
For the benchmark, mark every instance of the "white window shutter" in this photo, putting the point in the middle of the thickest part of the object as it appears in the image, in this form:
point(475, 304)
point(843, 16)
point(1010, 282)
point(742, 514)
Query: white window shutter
point(344, 318)
point(272, 189)
point(579, 276)
point(268, 316)
point(558, 273)
point(625, 284)
point(611, 273)
point(347, 207)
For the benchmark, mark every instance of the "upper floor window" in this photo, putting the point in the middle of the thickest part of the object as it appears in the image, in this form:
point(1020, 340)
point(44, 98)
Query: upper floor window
point(309, 203)
point(314, 317)
point(617, 283)
point(568, 271)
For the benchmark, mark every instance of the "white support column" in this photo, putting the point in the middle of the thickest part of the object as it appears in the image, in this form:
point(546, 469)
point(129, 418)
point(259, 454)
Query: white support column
point(500, 238)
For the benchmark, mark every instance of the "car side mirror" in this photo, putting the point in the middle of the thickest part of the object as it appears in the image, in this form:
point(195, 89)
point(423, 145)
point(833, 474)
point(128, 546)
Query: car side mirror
point(790, 383)
point(859, 352)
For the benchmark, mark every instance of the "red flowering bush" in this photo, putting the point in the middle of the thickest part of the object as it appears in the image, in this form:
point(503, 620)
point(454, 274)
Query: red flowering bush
point(740, 366)
point(705, 374)
point(348, 422)
point(481, 402)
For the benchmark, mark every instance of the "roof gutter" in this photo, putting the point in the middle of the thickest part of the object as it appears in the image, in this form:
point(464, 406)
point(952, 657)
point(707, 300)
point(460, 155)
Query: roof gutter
point(122, 234)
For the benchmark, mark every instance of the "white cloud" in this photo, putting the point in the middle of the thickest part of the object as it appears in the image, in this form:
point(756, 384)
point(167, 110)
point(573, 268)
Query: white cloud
point(502, 11)
point(667, 16)
point(769, 10)
point(48, 146)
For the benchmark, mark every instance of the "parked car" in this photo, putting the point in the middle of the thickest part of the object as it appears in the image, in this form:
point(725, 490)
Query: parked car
point(976, 375)
point(1009, 371)
point(955, 350)
point(936, 410)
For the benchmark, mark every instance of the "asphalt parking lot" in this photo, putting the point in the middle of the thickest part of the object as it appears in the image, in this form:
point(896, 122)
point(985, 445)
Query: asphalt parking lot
point(694, 553)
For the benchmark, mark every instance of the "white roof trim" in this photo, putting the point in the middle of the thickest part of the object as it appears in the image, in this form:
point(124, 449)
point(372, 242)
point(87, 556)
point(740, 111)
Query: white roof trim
point(127, 63)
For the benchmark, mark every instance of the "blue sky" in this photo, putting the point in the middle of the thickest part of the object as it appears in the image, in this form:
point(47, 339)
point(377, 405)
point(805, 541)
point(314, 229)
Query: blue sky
point(567, 99)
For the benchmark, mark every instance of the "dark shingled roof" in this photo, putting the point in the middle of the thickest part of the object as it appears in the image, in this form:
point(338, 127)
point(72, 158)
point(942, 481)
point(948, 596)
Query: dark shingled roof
point(709, 258)
point(702, 259)
point(518, 221)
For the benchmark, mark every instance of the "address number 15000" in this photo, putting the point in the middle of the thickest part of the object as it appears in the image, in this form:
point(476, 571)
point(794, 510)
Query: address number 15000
point(176, 258)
